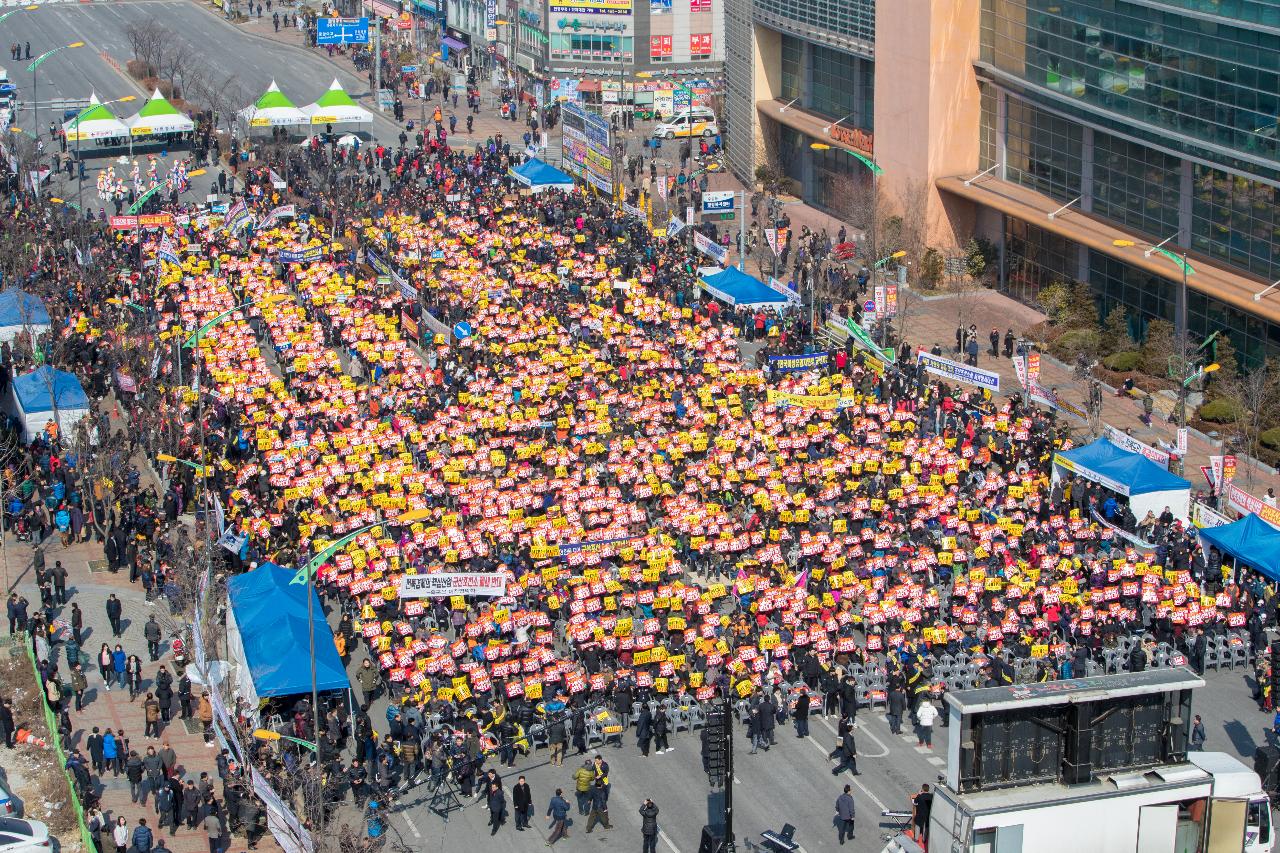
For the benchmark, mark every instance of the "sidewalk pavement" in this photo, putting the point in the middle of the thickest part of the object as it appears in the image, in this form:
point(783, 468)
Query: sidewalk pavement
point(112, 708)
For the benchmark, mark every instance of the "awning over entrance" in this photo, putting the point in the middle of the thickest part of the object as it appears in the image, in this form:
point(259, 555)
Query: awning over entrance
point(1018, 201)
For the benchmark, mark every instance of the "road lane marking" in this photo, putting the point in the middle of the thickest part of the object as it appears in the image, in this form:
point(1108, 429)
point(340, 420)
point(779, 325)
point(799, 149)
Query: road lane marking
point(863, 732)
point(853, 780)
point(412, 827)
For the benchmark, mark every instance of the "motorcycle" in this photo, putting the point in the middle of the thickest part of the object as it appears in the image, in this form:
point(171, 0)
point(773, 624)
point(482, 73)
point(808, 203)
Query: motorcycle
point(179, 652)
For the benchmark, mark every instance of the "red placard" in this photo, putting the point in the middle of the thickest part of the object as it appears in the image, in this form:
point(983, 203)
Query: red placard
point(699, 5)
point(700, 44)
point(659, 46)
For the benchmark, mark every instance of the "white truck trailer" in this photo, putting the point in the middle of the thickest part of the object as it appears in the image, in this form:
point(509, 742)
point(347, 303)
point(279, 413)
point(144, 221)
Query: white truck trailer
point(1093, 765)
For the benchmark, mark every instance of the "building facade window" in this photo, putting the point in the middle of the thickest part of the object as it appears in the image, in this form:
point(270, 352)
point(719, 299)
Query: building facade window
point(1136, 185)
point(1035, 258)
point(987, 153)
point(1043, 150)
point(1209, 80)
point(841, 85)
point(792, 68)
point(1146, 296)
point(853, 19)
point(1236, 220)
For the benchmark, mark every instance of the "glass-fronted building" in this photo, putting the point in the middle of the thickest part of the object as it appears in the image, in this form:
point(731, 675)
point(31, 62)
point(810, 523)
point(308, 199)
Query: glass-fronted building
point(801, 72)
point(1155, 122)
point(1106, 141)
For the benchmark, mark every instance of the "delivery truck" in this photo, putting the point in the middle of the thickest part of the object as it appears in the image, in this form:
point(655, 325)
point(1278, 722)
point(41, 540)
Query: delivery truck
point(1093, 765)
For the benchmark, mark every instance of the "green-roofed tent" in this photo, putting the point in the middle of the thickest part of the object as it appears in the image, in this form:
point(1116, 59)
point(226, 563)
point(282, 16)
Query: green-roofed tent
point(335, 107)
point(273, 109)
point(95, 122)
point(158, 117)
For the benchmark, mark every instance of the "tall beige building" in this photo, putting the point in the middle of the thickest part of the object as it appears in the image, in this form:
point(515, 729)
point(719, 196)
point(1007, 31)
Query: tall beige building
point(1091, 140)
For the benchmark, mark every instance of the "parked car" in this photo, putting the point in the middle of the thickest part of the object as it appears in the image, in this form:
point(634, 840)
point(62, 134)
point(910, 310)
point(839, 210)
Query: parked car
point(23, 836)
point(685, 125)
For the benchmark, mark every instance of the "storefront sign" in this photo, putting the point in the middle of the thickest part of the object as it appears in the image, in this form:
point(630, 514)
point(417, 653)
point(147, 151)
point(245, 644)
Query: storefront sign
point(855, 138)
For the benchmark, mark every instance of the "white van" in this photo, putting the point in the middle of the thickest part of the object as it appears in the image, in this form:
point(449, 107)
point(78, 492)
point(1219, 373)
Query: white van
point(695, 124)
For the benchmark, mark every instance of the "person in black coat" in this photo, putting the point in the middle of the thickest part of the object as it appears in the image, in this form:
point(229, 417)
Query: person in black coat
point(661, 728)
point(849, 698)
point(522, 802)
point(768, 720)
point(801, 714)
point(847, 752)
point(190, 804)
point(7, 729)
point(644, 729)
point(497, 802)
point(94, 745)
point(176, 792)
point(114, 611)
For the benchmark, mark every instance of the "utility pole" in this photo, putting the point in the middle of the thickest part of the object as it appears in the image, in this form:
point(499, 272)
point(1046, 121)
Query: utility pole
point(377, 65)
point(742, 233)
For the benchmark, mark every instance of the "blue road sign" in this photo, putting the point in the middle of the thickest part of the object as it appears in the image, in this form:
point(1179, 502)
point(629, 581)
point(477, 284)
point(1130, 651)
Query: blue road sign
point(342, 31)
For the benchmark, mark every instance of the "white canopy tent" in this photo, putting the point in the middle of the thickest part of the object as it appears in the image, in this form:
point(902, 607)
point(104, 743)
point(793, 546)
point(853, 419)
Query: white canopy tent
point(95, 123)
point(158, 117)
point(336, 108)
point(273, 109)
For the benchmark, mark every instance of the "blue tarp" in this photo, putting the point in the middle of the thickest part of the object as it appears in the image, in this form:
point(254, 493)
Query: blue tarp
point(1251, 541)
point(535, 173)
point(32, 390)
point(737, 288)
point(272, 616)
point(1120, 470)
point(19, 308)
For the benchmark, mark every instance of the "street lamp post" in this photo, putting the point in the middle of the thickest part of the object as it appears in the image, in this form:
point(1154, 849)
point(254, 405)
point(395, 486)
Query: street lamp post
point(876, 172)
point(35, 91)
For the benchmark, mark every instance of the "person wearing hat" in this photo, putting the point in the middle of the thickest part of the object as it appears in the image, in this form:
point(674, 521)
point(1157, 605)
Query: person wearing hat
point(205, 713)
point(583, 778)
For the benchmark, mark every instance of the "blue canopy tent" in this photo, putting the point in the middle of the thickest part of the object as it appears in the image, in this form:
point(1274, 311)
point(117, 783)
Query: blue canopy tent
point(1251, 541)
point(268, 637)
point(1149, 487)
point(21, 311)
point(737, 288)
point(34, 397)
point(539, 176)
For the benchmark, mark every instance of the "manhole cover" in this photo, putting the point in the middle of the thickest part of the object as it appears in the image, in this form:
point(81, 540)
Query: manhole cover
point(97, 565)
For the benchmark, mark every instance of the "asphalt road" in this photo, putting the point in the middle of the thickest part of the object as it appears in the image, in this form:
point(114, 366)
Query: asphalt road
point(103, 26)
point(791, 783)
point(97, 67)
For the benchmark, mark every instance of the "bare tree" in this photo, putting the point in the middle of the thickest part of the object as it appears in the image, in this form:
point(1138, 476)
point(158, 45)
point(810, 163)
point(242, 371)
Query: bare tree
point(147, 39)
point(176, 57)
point(913, 220)
point(1253, 395)
point(222, 96)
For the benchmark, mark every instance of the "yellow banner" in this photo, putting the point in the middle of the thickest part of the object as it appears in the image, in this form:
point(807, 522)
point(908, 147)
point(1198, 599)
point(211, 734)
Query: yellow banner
point(824, 402)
